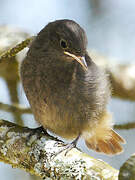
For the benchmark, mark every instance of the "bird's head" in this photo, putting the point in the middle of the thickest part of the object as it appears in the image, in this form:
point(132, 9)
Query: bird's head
point(65, 40)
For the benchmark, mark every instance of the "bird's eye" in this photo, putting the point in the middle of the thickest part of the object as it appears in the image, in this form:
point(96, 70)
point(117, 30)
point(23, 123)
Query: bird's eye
point(63, 44)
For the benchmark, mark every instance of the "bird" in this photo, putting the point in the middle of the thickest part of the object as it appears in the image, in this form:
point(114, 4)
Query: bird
point(68, 93)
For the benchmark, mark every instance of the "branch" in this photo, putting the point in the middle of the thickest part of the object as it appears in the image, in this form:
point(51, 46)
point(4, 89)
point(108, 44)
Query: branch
point(127, 170)
point(19, 47)
point(14, 108)
point(130, 125)
point(36, 154)
point(122, 77)
point(9, 37)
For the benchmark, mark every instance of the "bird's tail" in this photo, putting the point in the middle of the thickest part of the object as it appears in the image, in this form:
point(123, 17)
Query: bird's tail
point(104, 139)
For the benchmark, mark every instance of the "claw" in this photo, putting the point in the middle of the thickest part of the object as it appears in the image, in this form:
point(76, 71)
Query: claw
point(68, 147)
point(37, 131)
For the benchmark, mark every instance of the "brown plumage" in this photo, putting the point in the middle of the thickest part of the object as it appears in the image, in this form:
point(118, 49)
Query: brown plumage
point(67, 91)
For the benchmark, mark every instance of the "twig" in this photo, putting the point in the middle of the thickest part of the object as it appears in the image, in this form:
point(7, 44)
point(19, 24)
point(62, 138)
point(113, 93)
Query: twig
point(13, 51)
point(130, 125)
point(14, 108)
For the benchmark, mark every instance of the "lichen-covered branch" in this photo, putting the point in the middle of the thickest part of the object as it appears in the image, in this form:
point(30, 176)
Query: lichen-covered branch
point(13, 51)
point(36, 154)
point(127, 170)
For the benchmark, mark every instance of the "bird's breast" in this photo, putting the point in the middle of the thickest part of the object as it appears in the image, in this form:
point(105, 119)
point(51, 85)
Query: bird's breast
point(59, 108)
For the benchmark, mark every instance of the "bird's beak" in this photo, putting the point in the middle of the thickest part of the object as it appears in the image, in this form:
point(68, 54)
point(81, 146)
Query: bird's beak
point(80, 59)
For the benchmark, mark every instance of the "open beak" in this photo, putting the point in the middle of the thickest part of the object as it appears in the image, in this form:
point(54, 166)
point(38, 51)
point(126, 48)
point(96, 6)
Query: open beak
point(80, 59)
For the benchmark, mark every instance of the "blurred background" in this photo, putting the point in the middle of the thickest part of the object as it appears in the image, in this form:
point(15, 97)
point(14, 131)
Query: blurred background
point(110, 27)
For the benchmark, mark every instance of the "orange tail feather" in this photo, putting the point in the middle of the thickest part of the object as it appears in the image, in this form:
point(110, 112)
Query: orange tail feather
point(102, 138)
point(108, 146)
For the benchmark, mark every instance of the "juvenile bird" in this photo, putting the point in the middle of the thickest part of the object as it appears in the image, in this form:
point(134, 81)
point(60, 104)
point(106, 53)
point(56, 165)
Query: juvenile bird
point(68, 93)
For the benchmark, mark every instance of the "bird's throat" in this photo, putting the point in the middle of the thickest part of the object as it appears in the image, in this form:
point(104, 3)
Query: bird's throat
point(62, 74)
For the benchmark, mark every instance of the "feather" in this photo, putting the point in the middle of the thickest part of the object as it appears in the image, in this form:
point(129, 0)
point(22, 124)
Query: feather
point(104, 139)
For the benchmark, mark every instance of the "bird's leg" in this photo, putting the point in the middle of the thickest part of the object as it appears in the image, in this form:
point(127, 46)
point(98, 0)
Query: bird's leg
point(69, 146)
point(72, 145)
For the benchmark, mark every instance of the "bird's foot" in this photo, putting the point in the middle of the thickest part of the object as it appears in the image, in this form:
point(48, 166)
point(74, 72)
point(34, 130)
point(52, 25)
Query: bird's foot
point(36, 131)
point(69, 146)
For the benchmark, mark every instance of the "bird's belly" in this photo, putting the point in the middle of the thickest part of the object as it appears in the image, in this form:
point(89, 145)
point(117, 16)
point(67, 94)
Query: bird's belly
point(61, 122)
